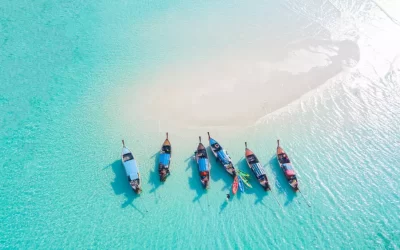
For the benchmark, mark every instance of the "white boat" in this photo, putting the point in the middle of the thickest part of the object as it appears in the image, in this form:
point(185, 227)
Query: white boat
point(131, 169)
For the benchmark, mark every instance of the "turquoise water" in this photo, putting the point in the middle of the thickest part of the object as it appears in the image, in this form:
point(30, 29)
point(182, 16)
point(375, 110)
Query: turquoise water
point(65, 67)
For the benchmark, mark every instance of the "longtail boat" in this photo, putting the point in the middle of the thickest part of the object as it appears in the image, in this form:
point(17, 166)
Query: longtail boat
point(131, 169)
point(164, 159)
point(287, 167)
point(203, 164)
point(222, 156)
point(258, 170)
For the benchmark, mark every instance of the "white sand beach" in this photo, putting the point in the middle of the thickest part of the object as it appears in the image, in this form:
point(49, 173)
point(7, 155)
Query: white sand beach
point(237, 91)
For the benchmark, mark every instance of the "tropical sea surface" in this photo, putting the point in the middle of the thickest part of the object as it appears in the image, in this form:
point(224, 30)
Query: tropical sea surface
point(76, 77)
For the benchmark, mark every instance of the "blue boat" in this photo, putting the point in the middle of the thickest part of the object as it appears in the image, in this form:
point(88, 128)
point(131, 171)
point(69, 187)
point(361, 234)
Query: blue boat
point(131, 169)
point(222, 156)
point(241, 184)
point(203, 164)
point(257, 168)
point(164, 159)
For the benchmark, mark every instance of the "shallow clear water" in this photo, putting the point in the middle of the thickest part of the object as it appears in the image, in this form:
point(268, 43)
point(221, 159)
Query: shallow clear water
point(72, 80)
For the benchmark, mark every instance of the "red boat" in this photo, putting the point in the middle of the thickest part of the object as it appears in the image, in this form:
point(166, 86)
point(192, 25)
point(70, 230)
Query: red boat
point(235, 185)
point(287, 167)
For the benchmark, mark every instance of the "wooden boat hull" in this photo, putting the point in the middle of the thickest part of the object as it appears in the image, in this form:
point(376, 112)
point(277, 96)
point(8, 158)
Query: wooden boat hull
point(136, 186)
point(251, 160)
point(164, 160)
point(263, 182)
point(287, 168)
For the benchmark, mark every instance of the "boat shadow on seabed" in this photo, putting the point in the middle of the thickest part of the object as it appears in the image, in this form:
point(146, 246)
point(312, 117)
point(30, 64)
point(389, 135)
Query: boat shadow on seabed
point(120, 185)
point(281, 184)
point(154, 179)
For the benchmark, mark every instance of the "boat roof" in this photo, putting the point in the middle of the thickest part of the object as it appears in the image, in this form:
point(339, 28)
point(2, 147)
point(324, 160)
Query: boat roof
point(203, 164)
point(131, 169)
point(290, 172)
point(258, 169)
point(164, 159)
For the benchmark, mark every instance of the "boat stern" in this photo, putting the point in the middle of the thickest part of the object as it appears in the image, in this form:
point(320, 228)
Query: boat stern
point(230, 169)
point(205, 179)
point(294, 184)
point(163, 177)
point(266, 186)
point(263, 180)
point(163, 173)
point(135, 185)
point(206, 184)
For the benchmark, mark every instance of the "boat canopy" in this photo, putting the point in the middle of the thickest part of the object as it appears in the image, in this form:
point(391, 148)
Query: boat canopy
point(131, 169)
point(287, 166)
point(290, 173)
point(258, 169)
point(164, 159)
point(203, 164)
point(288, 169)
